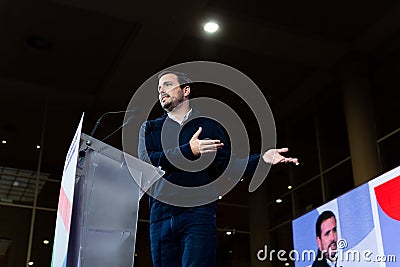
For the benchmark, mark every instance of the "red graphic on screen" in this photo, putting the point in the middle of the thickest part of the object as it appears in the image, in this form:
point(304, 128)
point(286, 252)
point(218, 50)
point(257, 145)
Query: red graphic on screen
point(388, 197)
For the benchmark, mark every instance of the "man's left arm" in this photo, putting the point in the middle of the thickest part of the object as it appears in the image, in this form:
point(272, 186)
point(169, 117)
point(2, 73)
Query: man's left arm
point(271, 156)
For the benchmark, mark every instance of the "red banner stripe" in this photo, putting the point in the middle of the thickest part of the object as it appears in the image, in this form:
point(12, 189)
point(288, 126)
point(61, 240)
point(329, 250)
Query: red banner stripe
point(65, 209)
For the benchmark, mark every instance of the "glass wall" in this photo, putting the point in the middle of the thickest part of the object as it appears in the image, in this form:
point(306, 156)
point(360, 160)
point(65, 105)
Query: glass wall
point(30, 175)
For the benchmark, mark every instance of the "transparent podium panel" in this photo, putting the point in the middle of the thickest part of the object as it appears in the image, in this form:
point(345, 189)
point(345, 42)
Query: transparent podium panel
point(106, 203)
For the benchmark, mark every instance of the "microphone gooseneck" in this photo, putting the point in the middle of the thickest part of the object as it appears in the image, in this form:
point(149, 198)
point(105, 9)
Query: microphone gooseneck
point(98, 122)
point(129, 120)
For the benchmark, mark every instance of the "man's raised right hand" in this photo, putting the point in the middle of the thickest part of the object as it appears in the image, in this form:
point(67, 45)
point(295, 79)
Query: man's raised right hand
point(200, 147)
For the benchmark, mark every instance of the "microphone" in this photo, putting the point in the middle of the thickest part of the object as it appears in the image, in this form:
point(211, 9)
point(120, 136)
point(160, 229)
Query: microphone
point(98, 122)
point(129, 120)
point(82, 153)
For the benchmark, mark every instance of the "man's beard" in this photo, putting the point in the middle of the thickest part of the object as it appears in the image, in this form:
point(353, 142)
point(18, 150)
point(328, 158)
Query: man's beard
point(171, 105)
point(168, 106)
point(332, 251)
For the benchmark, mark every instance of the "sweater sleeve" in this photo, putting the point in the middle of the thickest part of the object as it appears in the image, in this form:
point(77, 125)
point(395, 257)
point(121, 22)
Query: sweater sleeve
point(249, 164)
point(147, 150)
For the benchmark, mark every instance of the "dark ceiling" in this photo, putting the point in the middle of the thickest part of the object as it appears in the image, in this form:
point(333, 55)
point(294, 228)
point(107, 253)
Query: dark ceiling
point(70, 56)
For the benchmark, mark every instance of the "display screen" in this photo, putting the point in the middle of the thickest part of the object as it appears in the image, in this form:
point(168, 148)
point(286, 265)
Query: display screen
point(365, 227)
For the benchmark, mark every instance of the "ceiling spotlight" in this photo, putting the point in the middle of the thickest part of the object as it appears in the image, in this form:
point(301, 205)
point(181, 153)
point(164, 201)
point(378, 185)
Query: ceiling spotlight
point(220, 197)
point(4, 142)
point(228, 232)
point(287, 264)
point(46, 242)
point(278, 200)
point(38, 147)
point(289, 187)
point(30, 263)
point(211, 27)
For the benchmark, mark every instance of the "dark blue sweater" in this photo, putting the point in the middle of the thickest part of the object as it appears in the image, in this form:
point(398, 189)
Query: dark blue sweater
point(176, 139)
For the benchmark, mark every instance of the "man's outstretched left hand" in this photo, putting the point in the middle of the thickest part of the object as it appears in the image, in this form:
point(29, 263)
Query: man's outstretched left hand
point(273, 156)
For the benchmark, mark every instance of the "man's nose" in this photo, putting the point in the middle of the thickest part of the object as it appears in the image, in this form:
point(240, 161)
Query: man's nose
point(333, 236)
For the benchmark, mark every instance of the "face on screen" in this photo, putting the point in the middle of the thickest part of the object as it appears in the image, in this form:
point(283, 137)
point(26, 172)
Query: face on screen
point(328, 239)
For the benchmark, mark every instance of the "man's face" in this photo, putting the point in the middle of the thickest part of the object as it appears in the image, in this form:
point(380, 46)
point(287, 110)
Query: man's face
point(170, 94)
point(327, 241)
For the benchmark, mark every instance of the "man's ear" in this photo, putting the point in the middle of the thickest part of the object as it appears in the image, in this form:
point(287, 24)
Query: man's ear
point(319, 243)
point(186, 91)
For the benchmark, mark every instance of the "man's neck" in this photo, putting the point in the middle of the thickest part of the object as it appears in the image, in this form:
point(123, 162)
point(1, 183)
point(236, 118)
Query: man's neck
point(180, 111)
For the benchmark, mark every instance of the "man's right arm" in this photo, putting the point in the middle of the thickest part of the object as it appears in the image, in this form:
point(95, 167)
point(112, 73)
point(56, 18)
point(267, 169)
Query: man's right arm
point(149, 152)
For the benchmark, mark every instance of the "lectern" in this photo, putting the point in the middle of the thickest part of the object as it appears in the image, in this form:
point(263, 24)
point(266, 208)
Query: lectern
point(108, 186)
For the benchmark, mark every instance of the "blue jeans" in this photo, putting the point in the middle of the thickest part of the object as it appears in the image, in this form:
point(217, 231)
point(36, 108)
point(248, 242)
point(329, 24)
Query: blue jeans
point(185, 240)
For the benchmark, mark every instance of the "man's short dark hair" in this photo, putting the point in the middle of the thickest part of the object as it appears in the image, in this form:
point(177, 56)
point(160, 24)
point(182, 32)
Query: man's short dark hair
point(183, 79)
point(321, 218)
